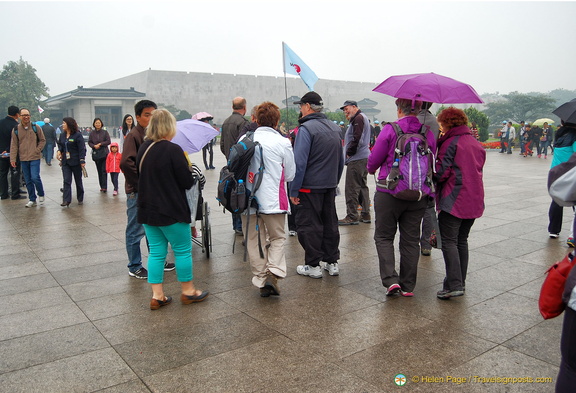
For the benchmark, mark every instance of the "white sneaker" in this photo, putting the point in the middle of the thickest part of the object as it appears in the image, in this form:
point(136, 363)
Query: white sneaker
point(310, 271)
point(292, 233)
point(30, 204)
point(41, 199)
point(332, 268)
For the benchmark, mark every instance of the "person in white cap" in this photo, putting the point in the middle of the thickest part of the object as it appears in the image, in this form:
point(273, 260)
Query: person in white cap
point(50, 135)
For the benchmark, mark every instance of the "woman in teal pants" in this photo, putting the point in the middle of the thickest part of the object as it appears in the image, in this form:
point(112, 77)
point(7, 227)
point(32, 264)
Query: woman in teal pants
point(163, 208)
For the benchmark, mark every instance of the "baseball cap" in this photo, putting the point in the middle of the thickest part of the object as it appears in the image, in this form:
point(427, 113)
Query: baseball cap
point(504, 122)
point(376, 122)
point(341, 123)
point(349, 102)
point(310, 98)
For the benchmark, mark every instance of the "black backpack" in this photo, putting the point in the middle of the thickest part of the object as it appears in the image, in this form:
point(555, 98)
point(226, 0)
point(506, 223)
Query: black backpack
point(236, 199)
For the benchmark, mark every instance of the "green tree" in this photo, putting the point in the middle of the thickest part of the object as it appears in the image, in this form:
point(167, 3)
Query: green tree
point(179, 114)
point(20, 86)
point(517, 106)
point(290, 117)
point(481, 120)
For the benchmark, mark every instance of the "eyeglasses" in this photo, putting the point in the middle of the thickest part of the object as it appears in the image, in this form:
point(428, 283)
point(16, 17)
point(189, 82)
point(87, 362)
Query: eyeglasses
point(25, 115)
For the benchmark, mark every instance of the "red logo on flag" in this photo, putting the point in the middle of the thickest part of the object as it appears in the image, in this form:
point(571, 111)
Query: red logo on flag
point(296, 67)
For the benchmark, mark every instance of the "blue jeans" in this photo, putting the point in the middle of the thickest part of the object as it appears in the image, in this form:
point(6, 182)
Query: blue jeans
point(48, 152)
point(31, 172)
point(178, 235)
point(134, 233)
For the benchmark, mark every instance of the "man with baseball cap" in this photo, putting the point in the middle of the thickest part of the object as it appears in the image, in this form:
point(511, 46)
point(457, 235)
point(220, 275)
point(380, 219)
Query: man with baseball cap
point(319, 166)
point(356, 152)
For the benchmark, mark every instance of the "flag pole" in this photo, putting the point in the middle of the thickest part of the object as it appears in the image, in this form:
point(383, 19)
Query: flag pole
point(285, 86)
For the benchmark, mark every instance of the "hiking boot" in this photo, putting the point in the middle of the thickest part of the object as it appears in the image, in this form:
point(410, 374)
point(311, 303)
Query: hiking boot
point(30, 204)
point(265, 292)
point(310, 271)
point(365, 217)
point(140, 274)
point(393, 289)
point(331, 268)
point(272, 284)
point(348, 221)
point(447, 294)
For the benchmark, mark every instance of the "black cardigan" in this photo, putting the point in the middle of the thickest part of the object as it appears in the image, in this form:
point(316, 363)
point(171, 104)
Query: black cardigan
point(162, 184)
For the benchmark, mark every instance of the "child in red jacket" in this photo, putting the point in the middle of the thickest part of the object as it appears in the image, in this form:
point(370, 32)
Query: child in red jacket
point(113, 165)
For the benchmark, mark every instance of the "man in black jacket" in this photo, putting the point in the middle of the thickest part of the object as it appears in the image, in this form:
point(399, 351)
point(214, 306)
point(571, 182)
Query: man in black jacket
point(50, 135)
point(6, 126)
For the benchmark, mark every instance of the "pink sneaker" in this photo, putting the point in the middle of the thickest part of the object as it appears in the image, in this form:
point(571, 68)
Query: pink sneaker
point(115, 193)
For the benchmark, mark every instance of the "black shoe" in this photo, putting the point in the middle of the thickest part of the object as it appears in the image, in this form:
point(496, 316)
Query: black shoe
point(61, 190)
point(141, 273)
point(169, 266)
point(17, 197)
point(265, 292)
point(212, 167)
point(23, 192)
point(4, 197)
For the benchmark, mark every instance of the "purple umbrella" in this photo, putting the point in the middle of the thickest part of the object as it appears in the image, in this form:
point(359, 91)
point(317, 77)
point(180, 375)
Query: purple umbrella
point(193, 135)
point(429, 87)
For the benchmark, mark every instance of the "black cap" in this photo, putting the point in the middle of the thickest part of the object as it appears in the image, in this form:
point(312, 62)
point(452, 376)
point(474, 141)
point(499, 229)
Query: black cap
point(349, 102)
point(310, 98)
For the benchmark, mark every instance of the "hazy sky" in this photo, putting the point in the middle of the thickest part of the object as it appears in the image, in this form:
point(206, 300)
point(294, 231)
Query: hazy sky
point(494, 46)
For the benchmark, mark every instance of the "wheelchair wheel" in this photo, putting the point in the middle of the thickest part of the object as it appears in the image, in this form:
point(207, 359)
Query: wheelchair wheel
point(206, 229)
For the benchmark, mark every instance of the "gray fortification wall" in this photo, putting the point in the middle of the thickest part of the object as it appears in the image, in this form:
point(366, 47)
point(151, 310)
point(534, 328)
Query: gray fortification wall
point(213, 93)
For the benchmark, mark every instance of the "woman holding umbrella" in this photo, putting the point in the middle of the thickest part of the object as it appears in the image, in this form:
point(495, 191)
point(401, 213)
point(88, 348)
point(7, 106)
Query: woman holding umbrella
point(460, 195)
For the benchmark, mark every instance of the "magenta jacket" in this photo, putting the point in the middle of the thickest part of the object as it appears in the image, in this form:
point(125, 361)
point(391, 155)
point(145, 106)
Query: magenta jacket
point(382, 154)
point(459, 167)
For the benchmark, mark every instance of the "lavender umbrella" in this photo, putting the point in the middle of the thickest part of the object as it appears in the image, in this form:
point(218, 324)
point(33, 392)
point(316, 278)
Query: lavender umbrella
point(193, 135)
point(429, 87)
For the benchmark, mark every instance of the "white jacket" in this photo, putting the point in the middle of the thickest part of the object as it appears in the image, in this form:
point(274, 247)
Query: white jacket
point(279, 168)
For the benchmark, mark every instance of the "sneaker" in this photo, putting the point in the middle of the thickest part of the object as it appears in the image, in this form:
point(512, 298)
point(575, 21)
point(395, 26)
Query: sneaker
point(239, 232)
point(570, 242)
point(292, 233)
point(447, 294)
point(310, 271)
point(30, 204)
point(115, 193)
point(393, 289)
point(554, 235)
point(41, 199)
point(406, 294)
point(169, 266)
point(331, 268)
point(365, 217)
point(141, 273)
point(348, 221)
point(426, 252)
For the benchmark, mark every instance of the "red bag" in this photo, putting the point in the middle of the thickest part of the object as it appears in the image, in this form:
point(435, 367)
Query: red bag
point(550, 301)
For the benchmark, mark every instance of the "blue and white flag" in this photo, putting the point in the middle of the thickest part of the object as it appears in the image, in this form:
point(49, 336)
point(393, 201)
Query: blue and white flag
point(295, 66)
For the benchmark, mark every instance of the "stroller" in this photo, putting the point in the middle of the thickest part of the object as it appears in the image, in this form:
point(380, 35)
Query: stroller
point(200, 211)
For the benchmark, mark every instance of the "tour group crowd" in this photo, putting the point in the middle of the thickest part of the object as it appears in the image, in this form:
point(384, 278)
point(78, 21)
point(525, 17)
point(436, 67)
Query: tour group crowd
point(302, 170)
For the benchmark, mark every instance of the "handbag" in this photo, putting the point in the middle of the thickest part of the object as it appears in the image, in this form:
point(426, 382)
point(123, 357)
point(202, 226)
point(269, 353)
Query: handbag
point(550, 301)
point(99, 154)
point(562, 182)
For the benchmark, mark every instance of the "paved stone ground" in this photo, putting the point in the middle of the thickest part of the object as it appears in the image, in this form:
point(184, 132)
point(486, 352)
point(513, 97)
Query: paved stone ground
point(72, 320)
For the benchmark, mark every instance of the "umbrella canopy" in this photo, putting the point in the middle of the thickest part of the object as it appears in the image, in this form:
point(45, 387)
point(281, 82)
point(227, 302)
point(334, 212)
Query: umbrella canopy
point(429, 87)
point(193, 135)
point(202, 116)
point(540, 122)
point(567, 111)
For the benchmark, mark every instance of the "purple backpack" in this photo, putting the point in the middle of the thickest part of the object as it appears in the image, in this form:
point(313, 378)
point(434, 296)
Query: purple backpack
point(410, 177)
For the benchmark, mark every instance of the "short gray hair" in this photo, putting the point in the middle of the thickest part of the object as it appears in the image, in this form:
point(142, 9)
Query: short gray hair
point(316, 108)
